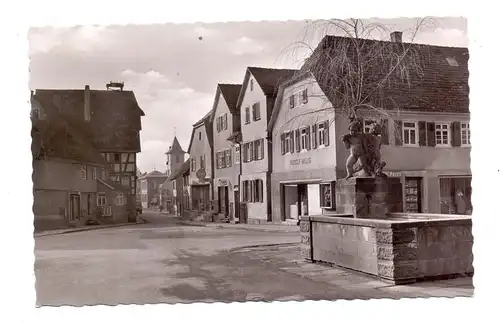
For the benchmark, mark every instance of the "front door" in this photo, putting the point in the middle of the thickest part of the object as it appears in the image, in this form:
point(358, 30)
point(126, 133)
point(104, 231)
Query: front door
point(302, 204)
point(74, 206)
point(89, 204)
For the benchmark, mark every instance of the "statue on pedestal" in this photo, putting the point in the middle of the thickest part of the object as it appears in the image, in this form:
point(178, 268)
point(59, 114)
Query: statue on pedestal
point(365, 158)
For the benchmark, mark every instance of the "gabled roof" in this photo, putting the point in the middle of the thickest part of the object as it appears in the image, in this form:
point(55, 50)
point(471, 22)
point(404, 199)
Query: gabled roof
point(182, 170)
point(153, 174)
point(230, 94)
point(113, 185)
point(202, 122)
point(175, 147)
point(268, 79)
point(55, 137)
point(115, 115)
point(441, 84)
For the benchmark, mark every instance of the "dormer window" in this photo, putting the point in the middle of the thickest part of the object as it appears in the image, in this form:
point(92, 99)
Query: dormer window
point(251, 85)
point(35, 114)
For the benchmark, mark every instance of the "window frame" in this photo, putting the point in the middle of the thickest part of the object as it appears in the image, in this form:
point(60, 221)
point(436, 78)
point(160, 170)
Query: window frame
point(83, 172)
point(120, 199)
point(403, 128)
point(306, 138)
point(467, 131)
point(441, 131)
point(287, 142)
point(320, 128)
point(101, 199)
point(248, 115)
point(237, 154)
point(367, 123)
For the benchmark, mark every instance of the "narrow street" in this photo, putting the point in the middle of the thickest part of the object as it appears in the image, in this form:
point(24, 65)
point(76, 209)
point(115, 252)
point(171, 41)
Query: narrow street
point(165, 262)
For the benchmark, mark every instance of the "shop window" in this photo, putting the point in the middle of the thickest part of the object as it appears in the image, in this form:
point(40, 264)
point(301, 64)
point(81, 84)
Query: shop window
point(327, 195)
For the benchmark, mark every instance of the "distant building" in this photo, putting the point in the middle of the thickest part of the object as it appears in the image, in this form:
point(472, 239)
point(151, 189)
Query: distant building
point(149, 185)
point(226, 128)
point(175, 160)
point(180, 183)
point(201, 167)
point(426, 137)
point(255, 105)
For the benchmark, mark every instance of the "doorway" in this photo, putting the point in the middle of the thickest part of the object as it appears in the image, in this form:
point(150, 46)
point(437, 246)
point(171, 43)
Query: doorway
point(74, 206)
point(303, 207)
point(223, 200)
point(237, 213)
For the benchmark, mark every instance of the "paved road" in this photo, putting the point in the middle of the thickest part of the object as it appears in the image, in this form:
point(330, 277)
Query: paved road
point(165, 262)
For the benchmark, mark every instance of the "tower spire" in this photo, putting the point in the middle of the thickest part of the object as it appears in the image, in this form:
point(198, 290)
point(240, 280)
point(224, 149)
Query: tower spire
point(175, 130)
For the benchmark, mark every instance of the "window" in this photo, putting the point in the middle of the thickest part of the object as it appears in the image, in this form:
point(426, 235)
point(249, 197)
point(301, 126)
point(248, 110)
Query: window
point(202, 161)
point(304, 96)
point(221, 123)
point(286, 143)
point(199, 135)
point(367, 125)
point(117, 157)
point(94, 173)
point(256, 111)
point(227, 158)
point(125, 181)
point(193, 164)
point(452, 61)
point(305, 141)
point(101, 199)
point(247, 115)
point(251, 85)
point(107, 211)
point(120, 199)
point(465, 129)
point(409, 133)
point(253, 190)
point(258, 147)
point(442, 134)
point(321, 134)
point(237, 154)
point(327, 195)
point(83, 172)
point(292, 101)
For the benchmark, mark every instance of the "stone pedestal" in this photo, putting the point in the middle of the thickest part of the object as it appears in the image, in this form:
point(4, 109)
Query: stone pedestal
point(367, 197)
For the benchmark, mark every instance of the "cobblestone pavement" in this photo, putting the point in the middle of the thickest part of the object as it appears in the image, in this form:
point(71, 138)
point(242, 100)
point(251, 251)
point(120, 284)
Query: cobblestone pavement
point(182, 264)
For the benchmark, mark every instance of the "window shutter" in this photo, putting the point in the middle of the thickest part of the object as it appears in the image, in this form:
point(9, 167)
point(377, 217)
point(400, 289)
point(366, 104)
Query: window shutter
point(282, 144)
point(333, 196)
point(327, 133)
point(262, 149)
point(251, 191)
point(314, 136)
point(297, 140)
point(308, 138)
point(261, 190)
point(225, 121)
point(250, 148)
point(431, 134)
point(253, 112)
point(230, 157)
point(292, 141)
point(398, 132)
point(304, 96)
point(422, 133)
point(456, 134)
point(385, 131)
point(292, 101)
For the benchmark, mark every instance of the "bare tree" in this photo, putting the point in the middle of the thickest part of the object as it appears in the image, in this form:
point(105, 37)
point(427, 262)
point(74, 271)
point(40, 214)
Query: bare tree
point(355, 70)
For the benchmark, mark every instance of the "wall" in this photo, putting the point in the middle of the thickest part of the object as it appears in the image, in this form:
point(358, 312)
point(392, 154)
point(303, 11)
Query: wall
point(302, 115)
point(118, 212)
point(201, 147)
point(46, 209)
point(62, 175)
point(255, 129)
point(220, 142)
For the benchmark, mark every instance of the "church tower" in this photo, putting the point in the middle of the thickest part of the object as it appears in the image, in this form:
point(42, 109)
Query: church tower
point(175, 157)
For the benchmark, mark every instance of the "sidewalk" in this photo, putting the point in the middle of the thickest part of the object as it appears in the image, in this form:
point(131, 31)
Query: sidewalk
point(352, 284)
point(271, 227)
point(86, 228)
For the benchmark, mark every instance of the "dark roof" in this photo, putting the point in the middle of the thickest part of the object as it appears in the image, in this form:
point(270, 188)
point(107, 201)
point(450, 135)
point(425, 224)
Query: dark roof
point(175, 147)
point(205, 121)
point(436, 83)
point(55, 137)
point(182, 170)
point(231, 92)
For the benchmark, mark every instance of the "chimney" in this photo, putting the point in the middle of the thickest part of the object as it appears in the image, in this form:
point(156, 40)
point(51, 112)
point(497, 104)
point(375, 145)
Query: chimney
point(397, 36)
point(86, 107)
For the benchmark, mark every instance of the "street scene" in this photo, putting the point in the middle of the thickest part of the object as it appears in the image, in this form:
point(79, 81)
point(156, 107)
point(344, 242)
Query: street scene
point(165, 261)
point(251, 161)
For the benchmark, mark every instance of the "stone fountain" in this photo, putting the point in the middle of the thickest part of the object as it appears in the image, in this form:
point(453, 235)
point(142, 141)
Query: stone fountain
point(371, 234)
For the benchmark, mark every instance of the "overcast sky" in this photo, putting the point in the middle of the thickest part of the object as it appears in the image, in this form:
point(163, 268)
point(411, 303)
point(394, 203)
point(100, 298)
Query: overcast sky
point(174, 69)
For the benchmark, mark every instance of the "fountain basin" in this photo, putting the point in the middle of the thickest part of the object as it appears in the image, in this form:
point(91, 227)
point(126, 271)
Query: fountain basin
point(401, 248)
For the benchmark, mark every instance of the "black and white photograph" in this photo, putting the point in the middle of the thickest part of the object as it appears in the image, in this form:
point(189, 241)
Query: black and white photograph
point(310, 160)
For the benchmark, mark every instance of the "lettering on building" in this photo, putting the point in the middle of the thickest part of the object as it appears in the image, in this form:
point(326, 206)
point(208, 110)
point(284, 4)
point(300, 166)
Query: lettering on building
point(301, 161)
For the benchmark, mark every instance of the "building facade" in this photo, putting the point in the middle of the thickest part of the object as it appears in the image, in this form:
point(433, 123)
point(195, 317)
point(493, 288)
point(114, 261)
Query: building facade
point(175, 160)
point(180, 183)
point(110, 119)
point(226, 129)
point(150, 189)
point(426, 143)
point(201, 167)
point(255, 104)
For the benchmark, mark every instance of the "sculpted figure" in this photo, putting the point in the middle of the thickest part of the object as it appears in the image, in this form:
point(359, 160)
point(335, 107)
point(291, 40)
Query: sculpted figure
point(354, 141)
point(365, 157)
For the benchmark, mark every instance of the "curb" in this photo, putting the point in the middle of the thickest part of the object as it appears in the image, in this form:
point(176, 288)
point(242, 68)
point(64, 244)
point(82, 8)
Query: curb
point(263, 245)
point(87, 228)
point(264, 228)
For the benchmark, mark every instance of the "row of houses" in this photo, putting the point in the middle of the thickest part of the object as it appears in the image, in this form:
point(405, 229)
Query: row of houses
point(269, 149)
point(84, 145)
